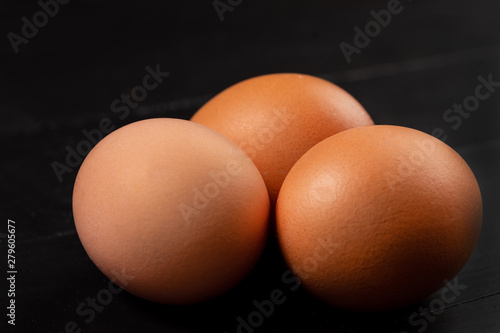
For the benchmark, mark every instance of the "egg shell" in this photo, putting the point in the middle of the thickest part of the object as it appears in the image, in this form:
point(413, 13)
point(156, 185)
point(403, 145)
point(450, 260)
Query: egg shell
point(276, 118)
point(171, 210)
point(378, 217)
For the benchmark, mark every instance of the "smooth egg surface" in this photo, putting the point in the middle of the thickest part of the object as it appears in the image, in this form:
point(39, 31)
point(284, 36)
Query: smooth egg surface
point(378, 217)
point(171, 210)
point(276, 118)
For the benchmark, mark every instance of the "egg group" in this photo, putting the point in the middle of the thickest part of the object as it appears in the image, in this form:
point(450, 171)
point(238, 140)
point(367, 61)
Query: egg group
point(368, 217)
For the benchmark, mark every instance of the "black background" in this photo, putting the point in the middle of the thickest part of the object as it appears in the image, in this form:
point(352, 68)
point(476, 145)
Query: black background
point(65, 78)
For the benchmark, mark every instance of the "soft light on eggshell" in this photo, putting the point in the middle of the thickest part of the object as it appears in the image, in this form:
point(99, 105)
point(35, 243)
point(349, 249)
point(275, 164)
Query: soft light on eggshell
point(378, 217)
point(276, 118)
point(171, 210)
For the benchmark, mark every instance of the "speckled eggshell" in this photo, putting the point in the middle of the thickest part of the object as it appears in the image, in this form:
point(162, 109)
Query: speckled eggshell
point(378, 217)
point(171, 210)
point(276, 118)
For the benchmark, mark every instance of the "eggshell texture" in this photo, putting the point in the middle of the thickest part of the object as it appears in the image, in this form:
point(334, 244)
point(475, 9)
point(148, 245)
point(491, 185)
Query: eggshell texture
point(171, 210)
point(378, 217)
point(276, 118)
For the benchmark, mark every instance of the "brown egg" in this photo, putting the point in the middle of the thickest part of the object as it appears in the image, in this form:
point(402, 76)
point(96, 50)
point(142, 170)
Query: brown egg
point(276, 118)
point(378, 217)
point(171, 210)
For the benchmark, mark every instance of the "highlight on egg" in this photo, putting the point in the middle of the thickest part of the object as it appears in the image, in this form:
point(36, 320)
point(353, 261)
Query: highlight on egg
point(276, 118)
point(378, 217)
point(171, 210)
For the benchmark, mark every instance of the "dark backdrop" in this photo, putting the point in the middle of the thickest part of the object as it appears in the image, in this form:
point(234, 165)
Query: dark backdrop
point(65, 77)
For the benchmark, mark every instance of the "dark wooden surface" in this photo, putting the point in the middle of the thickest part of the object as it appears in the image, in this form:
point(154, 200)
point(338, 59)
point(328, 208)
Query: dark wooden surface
point(64, 80)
